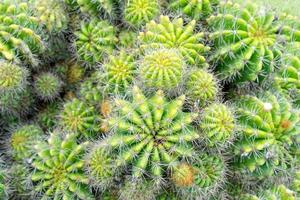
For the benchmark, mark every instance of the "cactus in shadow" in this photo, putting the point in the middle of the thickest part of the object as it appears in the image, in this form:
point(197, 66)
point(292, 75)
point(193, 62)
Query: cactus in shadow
point(59, 168)
point(266, 126)
point(245, 44)
point(175, 35)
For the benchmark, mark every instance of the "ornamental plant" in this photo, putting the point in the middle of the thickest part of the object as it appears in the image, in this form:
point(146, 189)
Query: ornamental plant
point(149, 100)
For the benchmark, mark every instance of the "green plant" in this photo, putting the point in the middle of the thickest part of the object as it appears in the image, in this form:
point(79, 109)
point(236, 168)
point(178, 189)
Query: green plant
point(245, 45)
point(217, 124)
point(119, 72)
point(53, 14)
point(175, 35)
point(47, 85)
point(162, 68)
point(197, 9)
point(13, 78)
point(150, 144)
point(23, 139)
point(290, 28)
point(20, 36)
point(201, 86)
point(59, 168)
point(139, 12)
point(266, 125)
point(79, 117)
point(94, 40)
point(97, 7)
point(47, 118)
point(127, 39)
point(91, 92)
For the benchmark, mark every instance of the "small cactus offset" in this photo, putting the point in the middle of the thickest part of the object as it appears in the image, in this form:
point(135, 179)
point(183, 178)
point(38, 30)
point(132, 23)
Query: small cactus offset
point(266, 125)
point(94, 40)
point(245, 42)
point(59, 172)
point(20, 36)
point(197, 9)
point(175, 35)
point(139, 12)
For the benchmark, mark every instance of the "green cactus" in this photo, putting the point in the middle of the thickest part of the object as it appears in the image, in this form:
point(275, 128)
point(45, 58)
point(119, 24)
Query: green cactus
point(59, 168)
point(139, 12)
point(175, 35)
point(20, 38)
point(94, 40)
point(217, 124)
point(119, 72)
point(97, 7)
point(196, 179)
point(75, 73)
point(53, 14)
point(47, 118)
point(245, 45)
point(162, 68)
point(91, 92)
point(290, 28)
point(150, 144)
point(197, 9)
point(201, 86)
point(13, 78)
point(296, 182)
point(47, 86)
point(23, 139)
point(79, 117)
point(266, 125)
point(3, 186)
point(127, 38)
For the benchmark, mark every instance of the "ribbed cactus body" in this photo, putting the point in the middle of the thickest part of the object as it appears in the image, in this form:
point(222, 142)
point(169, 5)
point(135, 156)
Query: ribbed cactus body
point(79, 117)
point(266, 125)
point(47, 86)
point(217, 124)
point(53, 14)
point(20, 38)
point(48, 117)
point(97, 7)
point(94, 40)
point(277, 193)
point(91, 93)
point(127, 39)
point(290, 28)
point(59, 168)
point(23, 139)
point(245, 45)
point(13, 78)
point(139, 12)
point(119, 72)
point(162, 68)
point(150, 144)
point(201, 86)
point(175, 35)
point(197, 9)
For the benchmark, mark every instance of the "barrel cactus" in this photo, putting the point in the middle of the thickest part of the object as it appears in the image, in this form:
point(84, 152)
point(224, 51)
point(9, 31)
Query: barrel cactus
point(23, 139)
point(197, 9)
point(94, 40)
point(20, 38)
point(79, 117)
point(245, 44)
point(97, 7)
point(266, 125)
point(47, 118)
point(290, 28)
point(59, 168)
point(139, 12)
point(175, 35)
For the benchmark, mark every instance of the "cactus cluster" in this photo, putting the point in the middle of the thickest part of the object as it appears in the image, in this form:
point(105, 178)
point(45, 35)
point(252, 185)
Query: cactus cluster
point(148, 100)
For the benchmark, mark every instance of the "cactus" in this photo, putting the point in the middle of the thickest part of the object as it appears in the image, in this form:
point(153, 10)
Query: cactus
point(197, 9)
point(139, 12)
point(75, 73)
point(59, 168)
point(217, 124)
point(20, 38)
point(47, 86)
point(97, 7)
point(91, 93)
point(150, 144)
point(23, 139)
point(296, 182)
point(94, 40)
point(173, 34)
point(119, 72)
point(13, 78)
point(3, 186)
point(245, 45)
point(198, 178)
point(163, 68)
point(266, 125)
point(127, 39)
point(47, 118)
point(53, 14)
point(79, 117)
point(201, 86)
point(290, 28)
